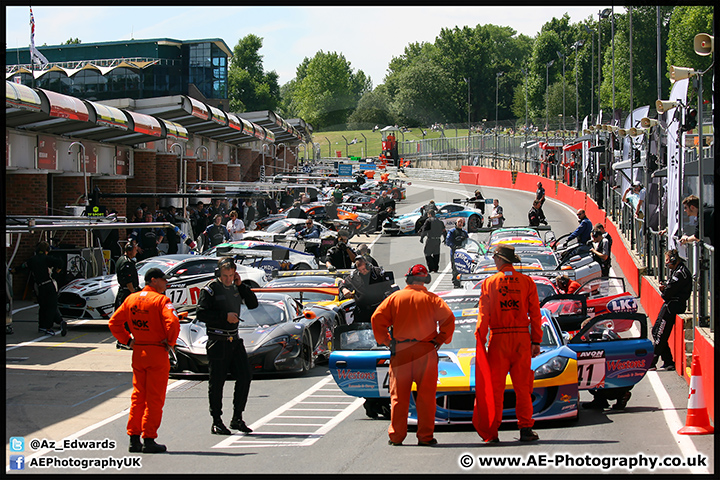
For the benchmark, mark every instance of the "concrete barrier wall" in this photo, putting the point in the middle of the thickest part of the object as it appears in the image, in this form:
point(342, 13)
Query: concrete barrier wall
point(649, 296)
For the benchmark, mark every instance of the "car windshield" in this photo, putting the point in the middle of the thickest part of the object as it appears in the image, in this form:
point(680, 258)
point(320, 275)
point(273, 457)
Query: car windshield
point(267, 313)
point(279, 227)
point(157, 262)
point(462, 303)
point(464, 335)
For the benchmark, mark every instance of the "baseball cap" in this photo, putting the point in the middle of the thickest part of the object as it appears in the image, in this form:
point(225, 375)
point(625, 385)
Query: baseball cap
point(637, 183)
point(154, 273)
point(419, 271)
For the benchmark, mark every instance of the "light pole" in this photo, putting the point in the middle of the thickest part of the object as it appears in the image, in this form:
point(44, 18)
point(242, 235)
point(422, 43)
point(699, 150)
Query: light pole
point(467, 80)
point(576, 46)
point(592, 70)
point(612, 34)
point(562, 55)
point(525, 75)
point(601, 16)
point(497, 83)
point(547, 96)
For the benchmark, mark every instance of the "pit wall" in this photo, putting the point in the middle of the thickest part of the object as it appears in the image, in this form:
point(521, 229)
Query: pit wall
point(648, 293)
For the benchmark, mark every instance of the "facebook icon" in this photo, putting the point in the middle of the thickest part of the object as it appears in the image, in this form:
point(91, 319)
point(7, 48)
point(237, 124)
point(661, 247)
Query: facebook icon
point(17, 462)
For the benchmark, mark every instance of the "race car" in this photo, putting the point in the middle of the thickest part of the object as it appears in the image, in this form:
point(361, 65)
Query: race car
point(265, 256)
point(94, 298)
point(611, 351)
point(598, 296)
point(476, 258)
point(449, 213)
point(280, 335)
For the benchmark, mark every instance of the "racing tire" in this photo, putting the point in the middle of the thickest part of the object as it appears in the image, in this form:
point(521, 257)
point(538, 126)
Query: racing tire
point(307, 358)
point(302, 266)
point(377, 407)
point(474, 223)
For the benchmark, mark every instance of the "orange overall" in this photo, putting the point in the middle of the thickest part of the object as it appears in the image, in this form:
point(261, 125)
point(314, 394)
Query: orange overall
point(508, 297)
point(154, 325)
point(420, 320)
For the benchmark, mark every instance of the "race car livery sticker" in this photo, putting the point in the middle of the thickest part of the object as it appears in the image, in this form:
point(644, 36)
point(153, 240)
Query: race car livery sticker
point(591, 369)
point(624, 305)
point(382, 371)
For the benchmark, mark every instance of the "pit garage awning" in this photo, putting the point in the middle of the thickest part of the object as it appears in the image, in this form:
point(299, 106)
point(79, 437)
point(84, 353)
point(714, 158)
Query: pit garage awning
point(304, 129)
point(196, 117)
point(282, 131)
point(57, 114)
point(550, 145)
point(572, 147)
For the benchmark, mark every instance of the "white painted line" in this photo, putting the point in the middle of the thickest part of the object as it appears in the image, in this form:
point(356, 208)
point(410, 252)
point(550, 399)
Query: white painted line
point(244, 441)
point(296, 424)
point(43, 337)
point(24, 308)
point(673, 421)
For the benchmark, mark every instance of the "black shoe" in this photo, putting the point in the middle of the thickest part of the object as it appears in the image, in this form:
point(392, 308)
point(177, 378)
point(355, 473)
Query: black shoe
point(596, 405)
point(429, 443)
point(219, 428)
point(63, 328)
point(136, 445)
point(669, 368)
point(394, 444)
point(47, 331)
point(493, 440)
point(239, 424)
point(152, 447)
point(622, 403)
point(527, 435)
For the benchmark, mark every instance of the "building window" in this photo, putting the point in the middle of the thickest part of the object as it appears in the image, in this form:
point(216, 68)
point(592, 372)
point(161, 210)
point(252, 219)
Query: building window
point(208, 70)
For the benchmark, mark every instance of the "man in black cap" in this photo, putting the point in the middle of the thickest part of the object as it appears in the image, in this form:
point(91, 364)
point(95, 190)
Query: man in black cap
point(126, 273)
point(219, 308)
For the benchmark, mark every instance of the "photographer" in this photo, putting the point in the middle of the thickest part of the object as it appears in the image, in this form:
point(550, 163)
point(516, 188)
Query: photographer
point(368, 286)
point(340, 255)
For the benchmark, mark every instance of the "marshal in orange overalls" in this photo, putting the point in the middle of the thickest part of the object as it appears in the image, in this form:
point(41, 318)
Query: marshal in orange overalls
point(507, 298)
point(418, 318)
point(155, 326)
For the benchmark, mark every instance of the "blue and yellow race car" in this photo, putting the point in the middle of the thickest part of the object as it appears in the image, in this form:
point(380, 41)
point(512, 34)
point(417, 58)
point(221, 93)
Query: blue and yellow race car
point(610, 351)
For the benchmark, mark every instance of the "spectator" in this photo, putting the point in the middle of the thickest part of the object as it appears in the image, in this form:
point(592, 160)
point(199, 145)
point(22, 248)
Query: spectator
point(367, 285)
point(340, 255)
point(455, 239)
point(434, 230)
point(310, 231)
point(235, 227)
point(583, 231)
point(364, 250)
point(148, 239)
point(637, 189)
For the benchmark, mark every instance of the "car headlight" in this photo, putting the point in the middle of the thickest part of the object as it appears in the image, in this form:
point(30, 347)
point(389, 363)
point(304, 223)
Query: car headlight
point(552, 368)
point(99, 291)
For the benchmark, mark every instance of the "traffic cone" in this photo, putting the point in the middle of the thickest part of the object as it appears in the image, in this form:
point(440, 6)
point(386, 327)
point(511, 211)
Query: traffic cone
point(697, 422)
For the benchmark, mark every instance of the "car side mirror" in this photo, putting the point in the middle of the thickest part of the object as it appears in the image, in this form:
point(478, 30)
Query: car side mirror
point(549, 237)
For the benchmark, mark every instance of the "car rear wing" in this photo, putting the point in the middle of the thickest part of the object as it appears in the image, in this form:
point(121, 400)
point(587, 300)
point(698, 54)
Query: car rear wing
point(325, 273)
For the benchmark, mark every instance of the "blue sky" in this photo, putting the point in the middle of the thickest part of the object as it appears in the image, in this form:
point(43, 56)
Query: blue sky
point(368, 36)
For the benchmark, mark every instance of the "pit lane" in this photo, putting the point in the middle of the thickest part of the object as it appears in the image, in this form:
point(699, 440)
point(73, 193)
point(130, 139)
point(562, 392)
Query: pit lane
point(79, 387)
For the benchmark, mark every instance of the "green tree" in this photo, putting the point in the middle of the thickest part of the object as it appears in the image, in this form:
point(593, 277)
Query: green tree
point(373, 108)
point(327, 90)
point(423, 90)
point(250, 87)
point(685, 23)
point(72, 41)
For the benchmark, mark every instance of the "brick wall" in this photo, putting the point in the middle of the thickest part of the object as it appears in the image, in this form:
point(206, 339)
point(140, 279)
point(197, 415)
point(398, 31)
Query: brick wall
point(25, 194)
point(219, 172)
point(145, 173)
point(234, 173)
point(166, 174)
point(66, 191)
